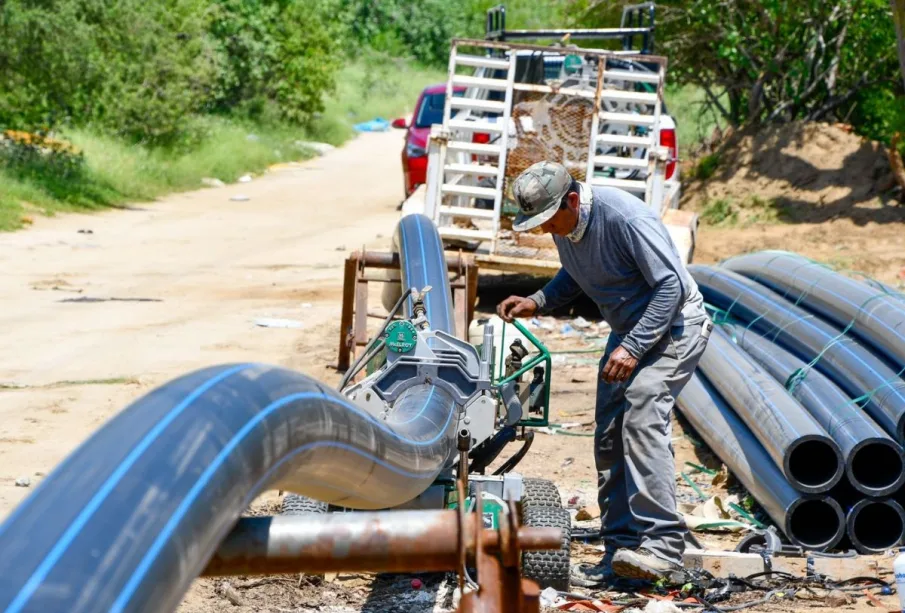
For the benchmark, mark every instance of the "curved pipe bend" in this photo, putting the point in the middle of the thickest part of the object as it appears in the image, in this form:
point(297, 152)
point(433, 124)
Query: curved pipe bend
point(133, 515)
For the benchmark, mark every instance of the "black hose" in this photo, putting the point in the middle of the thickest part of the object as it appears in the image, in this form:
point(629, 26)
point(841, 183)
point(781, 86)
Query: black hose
point(365, 356)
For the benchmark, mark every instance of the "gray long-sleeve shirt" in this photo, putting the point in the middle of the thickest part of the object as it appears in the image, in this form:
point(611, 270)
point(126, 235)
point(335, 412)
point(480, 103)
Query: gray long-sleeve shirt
point(627, 263)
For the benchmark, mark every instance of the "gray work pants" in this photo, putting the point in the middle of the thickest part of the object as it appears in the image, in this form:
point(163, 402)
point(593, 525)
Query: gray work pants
point(633, 449)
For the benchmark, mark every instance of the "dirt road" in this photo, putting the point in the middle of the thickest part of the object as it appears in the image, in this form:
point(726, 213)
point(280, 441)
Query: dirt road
point(193, 273)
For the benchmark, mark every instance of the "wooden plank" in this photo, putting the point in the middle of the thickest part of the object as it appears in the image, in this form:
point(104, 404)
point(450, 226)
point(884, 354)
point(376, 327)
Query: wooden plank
point(722, 563)
point(471, 288)
point(461, 307)
point(538, 241)
point(345, 321)
point(361, 312)
point(540, 268)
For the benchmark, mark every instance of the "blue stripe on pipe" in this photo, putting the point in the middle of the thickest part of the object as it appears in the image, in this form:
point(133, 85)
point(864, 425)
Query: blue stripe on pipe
point(812, 326)
point(835, 390)
point(141, 570)
point(76, 526)
point(759, 390)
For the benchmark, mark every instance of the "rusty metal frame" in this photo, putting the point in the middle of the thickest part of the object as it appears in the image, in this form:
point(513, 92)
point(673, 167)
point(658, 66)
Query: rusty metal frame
point(395, 541)
point(353, 325)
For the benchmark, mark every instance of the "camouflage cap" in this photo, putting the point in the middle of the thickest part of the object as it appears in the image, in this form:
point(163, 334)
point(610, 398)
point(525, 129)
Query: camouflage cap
point(538, 192)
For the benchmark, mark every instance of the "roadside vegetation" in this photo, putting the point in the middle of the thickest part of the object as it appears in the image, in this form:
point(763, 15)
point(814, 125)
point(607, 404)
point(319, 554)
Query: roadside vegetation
point(102, 104)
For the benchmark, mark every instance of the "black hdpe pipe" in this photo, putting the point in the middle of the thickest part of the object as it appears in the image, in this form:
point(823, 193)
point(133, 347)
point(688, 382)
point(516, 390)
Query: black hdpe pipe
point(807, 456)
point(873, 525)
point(874, 463)
point(872, 314)
point(848, 363)
point(128, 520)
point(813, 522)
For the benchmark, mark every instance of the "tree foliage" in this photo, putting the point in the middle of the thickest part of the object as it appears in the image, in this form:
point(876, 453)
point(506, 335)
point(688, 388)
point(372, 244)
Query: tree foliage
point(144, 68)
point(779, 60)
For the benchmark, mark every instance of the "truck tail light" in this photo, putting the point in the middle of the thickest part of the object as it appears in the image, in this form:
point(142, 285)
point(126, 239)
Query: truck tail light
point(668, 140)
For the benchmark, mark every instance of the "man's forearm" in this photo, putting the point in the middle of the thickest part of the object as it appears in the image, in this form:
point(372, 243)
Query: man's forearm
point(657, 318)
point(559, 291)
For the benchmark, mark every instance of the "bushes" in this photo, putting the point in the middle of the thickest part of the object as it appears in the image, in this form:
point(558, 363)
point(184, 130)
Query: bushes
point(143, 68)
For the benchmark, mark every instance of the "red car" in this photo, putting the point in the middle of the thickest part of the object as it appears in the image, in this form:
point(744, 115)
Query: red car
point(428, 111)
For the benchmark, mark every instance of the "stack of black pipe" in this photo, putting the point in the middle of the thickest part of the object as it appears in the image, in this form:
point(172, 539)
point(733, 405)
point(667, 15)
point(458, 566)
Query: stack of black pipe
point(800, 393)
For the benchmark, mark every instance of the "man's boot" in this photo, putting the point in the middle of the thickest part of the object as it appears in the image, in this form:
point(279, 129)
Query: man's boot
point(642, 563)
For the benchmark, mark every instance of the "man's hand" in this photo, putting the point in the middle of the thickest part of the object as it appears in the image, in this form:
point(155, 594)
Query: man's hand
point(516, 306)
point(619, 367)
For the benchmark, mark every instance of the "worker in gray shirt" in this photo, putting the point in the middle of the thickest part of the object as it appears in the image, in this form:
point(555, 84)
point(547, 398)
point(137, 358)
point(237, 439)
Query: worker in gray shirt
point(614, 249)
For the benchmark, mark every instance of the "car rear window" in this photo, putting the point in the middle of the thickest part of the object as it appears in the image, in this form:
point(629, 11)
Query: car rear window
point(431, 110)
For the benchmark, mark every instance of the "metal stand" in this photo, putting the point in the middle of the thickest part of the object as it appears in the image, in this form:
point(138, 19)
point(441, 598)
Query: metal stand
point(353, 327)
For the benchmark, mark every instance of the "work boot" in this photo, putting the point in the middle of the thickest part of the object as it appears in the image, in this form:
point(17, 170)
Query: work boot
point(642, 563)
point(597, 575)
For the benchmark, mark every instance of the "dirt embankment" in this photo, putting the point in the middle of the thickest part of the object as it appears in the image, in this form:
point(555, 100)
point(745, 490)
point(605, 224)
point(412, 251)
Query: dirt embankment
point(817, 189)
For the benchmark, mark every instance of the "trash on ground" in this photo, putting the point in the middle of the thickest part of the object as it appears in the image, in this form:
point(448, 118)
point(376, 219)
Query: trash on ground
point(211, 182)
point(91, 299)
point(23, 482)
point(240, 198)
point(267, 322)
point(587, 513)
point(581, 323)
point(245, 179)
point(86, 231)
point(318, 148)
point(375, 125)
point(567, 330)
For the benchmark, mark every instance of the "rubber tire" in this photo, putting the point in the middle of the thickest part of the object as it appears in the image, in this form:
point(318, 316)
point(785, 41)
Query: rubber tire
point(549, 568)
point(293, 504)
point(541, 493)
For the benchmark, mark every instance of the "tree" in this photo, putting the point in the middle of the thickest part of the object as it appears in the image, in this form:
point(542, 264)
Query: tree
point(898, 14)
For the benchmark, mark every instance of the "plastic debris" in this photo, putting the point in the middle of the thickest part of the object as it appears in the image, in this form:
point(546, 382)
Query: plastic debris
point(375, 125)
point(211, 182)
point(240, 198)
point(549, 597)
point(661, 606)
point(319, 148)
point(245, 179)
point(266, 322)
point(581, 323)
point(417, 584)
point(567, 329)
point(23, 482)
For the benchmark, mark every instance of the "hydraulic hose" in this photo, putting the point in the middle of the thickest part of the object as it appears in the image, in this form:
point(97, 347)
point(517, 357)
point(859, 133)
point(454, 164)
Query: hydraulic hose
point(865, 377)
point(807, 456)
point(874, 463)
point(130, 518)
point(813, 522)
point(872, 314)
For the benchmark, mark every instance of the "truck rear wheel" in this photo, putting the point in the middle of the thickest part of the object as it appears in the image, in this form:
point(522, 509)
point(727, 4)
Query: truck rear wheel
point(549, 568)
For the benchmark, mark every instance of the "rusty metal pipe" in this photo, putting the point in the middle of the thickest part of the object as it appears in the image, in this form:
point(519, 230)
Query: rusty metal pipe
point(396, 541)
point(387, 260)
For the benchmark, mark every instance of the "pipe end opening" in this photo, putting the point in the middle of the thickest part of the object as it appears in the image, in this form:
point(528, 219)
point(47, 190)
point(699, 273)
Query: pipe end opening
point(815, 523)
point(876, 526)
point(876, 468)
point(814, 465)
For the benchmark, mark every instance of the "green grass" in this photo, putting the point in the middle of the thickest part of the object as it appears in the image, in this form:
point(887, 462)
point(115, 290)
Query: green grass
point(113, 172)
point(706, 166)
point(693, 122)
point(719, 213)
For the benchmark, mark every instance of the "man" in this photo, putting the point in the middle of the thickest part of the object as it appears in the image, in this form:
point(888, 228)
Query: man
point(617, 251)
